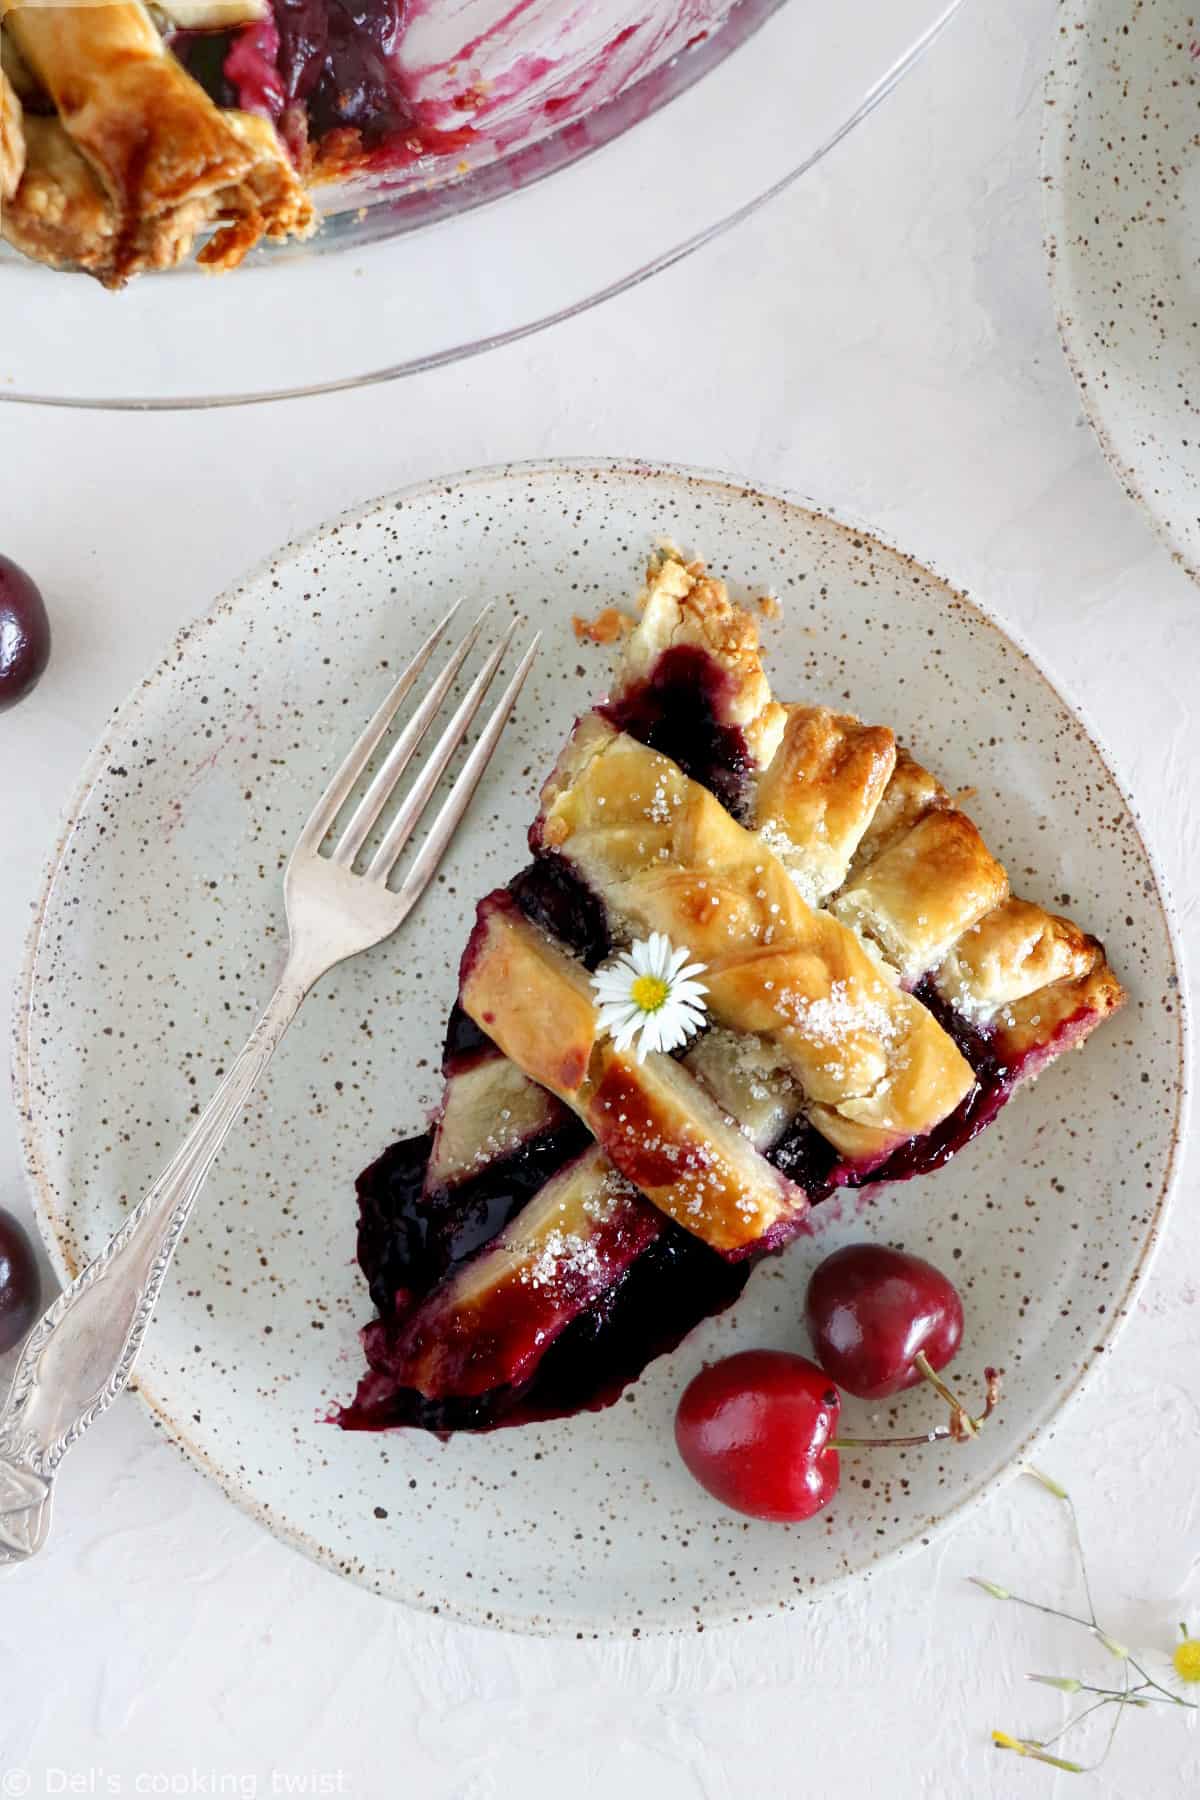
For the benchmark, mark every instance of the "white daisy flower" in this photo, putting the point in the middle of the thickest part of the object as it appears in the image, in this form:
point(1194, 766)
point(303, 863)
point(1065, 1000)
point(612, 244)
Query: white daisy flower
point(1185, 1665)
point(649, 993)
point(1177, 1668)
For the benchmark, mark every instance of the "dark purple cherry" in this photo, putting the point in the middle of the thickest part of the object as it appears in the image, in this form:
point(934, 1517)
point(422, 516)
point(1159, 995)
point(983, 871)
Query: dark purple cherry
point(24, 634)
point(20, 1285)
point(880, 1319)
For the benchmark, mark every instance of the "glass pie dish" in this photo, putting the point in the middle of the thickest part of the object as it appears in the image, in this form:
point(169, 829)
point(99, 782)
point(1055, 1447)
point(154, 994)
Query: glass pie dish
point(658, 134)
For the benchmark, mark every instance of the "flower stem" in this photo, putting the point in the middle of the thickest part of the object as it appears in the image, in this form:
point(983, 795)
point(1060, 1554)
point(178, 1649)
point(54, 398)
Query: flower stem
point(1054, 1612)
point(1160, 1691)
point(1027, 1747)
point(1134, 1697)
point(1119, 1699)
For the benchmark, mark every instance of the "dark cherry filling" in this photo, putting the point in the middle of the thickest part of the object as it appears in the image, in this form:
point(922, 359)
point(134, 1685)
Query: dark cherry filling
point(409, 1238)
point(329, 62)
point(806, 1158)
point(666, 1293)
point(552, 896)
point(334, 59)
point(463, 1042)
point(203, 55)
point(677, 711)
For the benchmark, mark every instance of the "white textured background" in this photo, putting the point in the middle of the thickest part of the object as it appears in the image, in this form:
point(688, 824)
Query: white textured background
point(880, 339)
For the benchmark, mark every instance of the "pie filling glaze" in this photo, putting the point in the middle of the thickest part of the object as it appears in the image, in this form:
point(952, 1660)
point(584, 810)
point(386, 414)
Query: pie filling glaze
point(876, 995)
point(326, 75)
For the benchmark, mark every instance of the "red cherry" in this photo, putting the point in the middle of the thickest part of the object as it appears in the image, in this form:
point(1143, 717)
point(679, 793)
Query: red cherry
point(872, 1312)
point(755, 1430)
point(19, 1283)
point(24, 634)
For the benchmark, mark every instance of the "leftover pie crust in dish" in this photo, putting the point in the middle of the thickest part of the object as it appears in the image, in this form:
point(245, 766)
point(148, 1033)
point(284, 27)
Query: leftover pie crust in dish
point(134, 131)
point(875, 993)
point(130, 133)
point(113, 159)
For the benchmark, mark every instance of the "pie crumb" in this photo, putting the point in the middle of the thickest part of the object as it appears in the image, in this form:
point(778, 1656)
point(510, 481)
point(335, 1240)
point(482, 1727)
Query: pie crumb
point(769, 606)
point(606, 628)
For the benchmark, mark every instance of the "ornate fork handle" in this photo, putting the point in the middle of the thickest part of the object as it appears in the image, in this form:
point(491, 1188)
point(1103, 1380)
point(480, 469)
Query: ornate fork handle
point(81, 1353)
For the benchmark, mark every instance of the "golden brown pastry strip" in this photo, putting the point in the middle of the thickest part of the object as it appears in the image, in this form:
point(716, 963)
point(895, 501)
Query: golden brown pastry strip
point(139, 160)
point(12, 140)
point(925, 886)
point(665, 856)
point(150, 133)
point(655, 1122)
point(909, 795)
point(270, 202)
point(1015, 951)
point(820, 793)
point(928, 887)
point(1037, 981)
point(60, 214)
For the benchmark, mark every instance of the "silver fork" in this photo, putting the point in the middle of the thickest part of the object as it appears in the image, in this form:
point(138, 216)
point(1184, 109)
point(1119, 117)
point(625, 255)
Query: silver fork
point(80, 1355)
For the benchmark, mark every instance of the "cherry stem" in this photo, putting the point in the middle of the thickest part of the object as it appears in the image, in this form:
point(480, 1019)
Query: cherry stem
point(961, 1422)
point(961, 1428)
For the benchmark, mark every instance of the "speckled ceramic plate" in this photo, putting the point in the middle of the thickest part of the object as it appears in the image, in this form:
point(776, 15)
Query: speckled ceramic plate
point(1121, 175)
point(161, 926)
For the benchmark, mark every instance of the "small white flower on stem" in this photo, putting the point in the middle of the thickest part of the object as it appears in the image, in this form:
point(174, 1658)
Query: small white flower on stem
point(649, 993)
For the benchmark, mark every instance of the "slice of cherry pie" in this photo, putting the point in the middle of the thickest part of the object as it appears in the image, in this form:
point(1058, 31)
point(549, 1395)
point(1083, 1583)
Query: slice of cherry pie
point(874, 995)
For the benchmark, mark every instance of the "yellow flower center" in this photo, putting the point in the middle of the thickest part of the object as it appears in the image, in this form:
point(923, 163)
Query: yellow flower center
point(648, 992)
point(1187, 1659)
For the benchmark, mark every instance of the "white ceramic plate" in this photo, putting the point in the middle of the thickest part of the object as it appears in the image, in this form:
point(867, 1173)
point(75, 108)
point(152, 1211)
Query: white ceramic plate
point(160, 929)
point(1121, 173)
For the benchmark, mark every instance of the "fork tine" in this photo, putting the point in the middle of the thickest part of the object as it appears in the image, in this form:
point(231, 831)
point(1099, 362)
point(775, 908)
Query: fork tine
point(402, 752)
point(402, 826)
point(334, 797)
point(455, 804)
